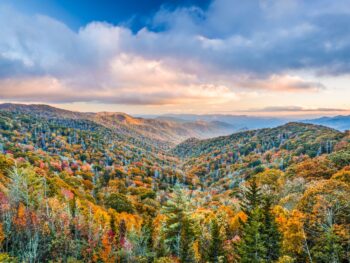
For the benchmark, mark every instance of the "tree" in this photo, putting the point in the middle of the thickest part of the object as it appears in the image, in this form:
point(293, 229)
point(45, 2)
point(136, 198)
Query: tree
point(186, 241)
point(271, 233)
point(216, 251)
point(120, 203)
point(251, 248)
point(177, 228)
point(260, 236)
point(251, 199)
point(328, 248)
point(327, 210)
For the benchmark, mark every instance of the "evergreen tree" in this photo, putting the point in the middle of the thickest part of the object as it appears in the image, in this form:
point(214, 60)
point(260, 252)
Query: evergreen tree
point(216, 251)
point(260, 241)
point(328, 247)
point(186, 242)
point(271, 233)
point(252, 247)
point(177, 228)
point(252, 198)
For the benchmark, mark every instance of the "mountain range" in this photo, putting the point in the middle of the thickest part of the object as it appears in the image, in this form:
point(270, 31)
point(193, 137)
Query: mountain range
point(341, 122)
point(109, 187)
point(164, 132)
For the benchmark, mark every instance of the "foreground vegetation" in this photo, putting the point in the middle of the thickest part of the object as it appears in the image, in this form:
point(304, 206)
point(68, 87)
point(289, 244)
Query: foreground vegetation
point(73, 190)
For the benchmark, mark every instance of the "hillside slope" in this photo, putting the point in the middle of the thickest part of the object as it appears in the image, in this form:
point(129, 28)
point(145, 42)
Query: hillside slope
point(312, 139)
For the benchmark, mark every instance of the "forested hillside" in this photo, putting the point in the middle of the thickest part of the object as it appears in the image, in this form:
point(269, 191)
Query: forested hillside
point(80, 187)
point(163, 133)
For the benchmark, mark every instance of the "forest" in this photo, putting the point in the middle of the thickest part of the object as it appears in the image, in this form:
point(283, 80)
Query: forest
point(74, 189)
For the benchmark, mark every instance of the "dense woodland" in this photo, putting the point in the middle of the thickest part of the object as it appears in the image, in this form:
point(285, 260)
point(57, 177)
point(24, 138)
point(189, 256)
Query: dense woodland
point(77, 190)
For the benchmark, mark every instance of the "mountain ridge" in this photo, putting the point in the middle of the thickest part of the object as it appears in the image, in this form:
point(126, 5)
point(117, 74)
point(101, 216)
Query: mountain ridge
point(162, 132)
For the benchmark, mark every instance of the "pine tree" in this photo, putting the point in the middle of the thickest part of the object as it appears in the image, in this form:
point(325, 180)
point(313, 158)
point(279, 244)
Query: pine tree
point(271, 233)
point(260, 241)
point(177, 228)
point(251, 248)
point(252, 198)
point(216, 250)
point(186, 242)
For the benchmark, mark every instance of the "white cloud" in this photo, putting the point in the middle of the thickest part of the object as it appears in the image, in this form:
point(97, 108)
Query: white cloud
point(209, 56)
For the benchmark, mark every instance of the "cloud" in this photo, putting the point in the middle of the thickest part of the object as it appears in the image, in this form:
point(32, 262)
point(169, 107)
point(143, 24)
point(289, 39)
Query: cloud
point(184, 55)
point(127, 80)
point(281, 83)
point(295, 109)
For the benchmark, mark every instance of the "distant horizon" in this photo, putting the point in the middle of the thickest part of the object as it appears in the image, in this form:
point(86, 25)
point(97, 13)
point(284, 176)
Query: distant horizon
point(249, 113)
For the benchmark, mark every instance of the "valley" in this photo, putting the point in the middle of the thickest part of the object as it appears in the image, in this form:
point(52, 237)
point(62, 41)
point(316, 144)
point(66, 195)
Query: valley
point(108, 187)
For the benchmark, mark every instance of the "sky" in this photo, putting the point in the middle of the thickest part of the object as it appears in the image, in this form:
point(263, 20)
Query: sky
point(256, 57)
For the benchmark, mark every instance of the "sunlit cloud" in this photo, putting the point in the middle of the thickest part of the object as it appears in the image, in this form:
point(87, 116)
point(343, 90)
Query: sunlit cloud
point(282, 83)
point(207, 56)
point(296, 109)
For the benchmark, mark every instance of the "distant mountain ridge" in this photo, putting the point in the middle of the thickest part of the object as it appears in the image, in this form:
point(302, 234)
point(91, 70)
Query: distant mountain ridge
point(165, 132)
point(239, 122)
point(340, 122)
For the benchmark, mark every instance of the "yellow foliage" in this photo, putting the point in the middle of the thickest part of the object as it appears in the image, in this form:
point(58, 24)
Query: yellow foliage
point(343, 175)
point(5, 258)
point(166, 260)
point(203, 215)
point(133, 222)
point(271, 177)
point(291, 226)
point(197, 254)
point(236, 220)
point(2, 234)
point(285, 259)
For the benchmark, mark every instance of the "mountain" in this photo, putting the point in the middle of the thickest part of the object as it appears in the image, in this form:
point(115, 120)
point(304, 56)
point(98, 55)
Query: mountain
point(340, 123)
point(164, 130)
point(102, 187)
point(238, 122)
point(160, 132)
point(303, 138)
point(40, 110)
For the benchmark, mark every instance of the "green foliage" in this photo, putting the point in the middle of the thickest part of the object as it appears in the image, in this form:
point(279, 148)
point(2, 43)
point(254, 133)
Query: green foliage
point(328, 248)
point(5, 258)
point(271, 233)
point(177, 227)
point(119, 202)
point(216, 251)
point(340, 159)
point(260, 236)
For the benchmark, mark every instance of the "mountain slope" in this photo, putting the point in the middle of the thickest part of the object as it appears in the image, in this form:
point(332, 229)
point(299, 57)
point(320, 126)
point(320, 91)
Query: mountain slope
point(289, 136)
point(166, 131)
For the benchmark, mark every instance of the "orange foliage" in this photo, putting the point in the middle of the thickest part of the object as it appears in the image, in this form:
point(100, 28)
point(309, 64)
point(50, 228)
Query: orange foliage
point(2, 234)
point(20, 219)
point(291, 226)
point(106, 251)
